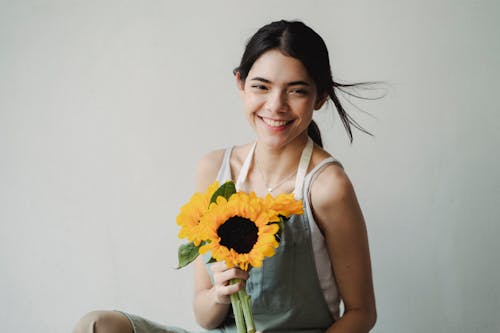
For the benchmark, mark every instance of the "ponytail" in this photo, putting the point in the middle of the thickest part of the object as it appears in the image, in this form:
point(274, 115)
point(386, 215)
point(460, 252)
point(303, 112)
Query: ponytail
point(346, 119)
point(314, 133)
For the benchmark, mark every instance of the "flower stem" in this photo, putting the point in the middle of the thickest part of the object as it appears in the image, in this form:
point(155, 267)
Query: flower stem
point(247, 311)
point(238, 310)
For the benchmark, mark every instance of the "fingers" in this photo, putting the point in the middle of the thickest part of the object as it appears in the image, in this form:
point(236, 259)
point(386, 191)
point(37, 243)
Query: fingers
point(223, 293)
point(221, 273)
point(222, 287)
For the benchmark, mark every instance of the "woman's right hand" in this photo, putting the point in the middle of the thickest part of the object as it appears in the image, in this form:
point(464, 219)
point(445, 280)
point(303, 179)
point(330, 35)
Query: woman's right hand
point(222, 288)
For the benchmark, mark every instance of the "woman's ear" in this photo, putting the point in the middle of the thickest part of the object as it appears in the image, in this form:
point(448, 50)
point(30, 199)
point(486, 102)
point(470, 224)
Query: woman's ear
point(239, 83)
point(320, 101)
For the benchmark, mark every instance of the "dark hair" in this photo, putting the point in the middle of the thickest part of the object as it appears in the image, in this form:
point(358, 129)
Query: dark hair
point(297, 40)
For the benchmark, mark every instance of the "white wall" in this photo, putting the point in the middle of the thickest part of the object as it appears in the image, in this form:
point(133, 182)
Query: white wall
point(105, 107)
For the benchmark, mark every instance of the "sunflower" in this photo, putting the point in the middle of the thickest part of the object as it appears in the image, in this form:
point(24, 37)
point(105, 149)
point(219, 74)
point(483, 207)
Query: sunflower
point(192, 212)
point(241, 230)
point(238, 228)
point(284, 204)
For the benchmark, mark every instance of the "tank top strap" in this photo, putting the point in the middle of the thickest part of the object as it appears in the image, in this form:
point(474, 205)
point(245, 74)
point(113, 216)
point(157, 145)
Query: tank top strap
point(224, 173)
point(310, 176)
point(320, 252)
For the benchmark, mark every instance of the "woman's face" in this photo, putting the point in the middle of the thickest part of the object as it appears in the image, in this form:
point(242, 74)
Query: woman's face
point(279, 98)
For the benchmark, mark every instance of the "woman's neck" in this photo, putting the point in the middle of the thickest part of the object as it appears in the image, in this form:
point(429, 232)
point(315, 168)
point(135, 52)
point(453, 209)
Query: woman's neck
point(277, 165)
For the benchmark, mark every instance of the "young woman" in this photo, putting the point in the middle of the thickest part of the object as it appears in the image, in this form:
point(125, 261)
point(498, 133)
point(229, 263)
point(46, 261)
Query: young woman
point(283, 77)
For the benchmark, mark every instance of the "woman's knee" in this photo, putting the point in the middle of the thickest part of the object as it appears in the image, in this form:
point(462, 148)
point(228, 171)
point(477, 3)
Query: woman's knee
point(103, 322)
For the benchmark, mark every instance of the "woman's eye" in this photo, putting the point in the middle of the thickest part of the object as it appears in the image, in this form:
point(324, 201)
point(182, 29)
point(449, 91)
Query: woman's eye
point(298, 92)
point(259, 87)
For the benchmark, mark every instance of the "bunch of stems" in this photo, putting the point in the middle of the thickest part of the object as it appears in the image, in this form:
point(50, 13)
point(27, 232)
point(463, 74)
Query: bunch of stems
point(242, 310)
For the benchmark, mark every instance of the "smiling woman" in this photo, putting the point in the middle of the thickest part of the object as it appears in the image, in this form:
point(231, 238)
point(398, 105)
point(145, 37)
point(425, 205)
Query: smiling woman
point(279, 98)
point(323, 259)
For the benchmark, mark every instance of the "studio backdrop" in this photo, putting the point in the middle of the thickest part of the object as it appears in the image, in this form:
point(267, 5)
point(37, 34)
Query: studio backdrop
point(106, 107)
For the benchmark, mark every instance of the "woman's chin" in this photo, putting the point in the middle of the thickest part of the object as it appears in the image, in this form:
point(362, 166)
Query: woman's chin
point(277, 141)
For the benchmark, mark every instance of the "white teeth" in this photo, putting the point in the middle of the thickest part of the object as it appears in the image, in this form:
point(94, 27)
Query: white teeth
point(275, 123)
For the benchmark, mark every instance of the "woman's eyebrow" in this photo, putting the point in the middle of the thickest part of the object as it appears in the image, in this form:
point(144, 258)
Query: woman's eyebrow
point(293, 83)
point(261, 79)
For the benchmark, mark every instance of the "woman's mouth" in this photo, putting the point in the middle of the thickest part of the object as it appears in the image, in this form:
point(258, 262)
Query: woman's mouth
point(275, 123)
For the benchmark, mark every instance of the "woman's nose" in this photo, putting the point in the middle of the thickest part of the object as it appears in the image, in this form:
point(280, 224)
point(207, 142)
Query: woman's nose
point(277, 102)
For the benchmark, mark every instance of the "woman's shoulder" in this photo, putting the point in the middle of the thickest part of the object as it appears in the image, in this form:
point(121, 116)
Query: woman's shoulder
point(212, 160)
point(333, 199)
point(331, 183)
point(210, 163)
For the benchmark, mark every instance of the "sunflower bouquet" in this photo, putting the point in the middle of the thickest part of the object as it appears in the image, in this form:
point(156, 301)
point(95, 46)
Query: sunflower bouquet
point(236, 227)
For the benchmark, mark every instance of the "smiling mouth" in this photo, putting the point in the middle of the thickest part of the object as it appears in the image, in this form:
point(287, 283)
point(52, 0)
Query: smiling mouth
point(275, 123)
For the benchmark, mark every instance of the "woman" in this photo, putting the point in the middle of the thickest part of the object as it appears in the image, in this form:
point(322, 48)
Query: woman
point(283, 77)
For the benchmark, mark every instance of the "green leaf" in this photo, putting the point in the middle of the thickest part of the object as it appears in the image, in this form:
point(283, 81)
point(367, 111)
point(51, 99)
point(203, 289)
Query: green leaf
point(187, 254)
point(281, 225)
point(211, 260)
point(226, 190)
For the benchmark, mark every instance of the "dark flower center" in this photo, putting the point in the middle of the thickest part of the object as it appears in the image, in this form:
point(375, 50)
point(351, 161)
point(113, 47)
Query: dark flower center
point(238, 233)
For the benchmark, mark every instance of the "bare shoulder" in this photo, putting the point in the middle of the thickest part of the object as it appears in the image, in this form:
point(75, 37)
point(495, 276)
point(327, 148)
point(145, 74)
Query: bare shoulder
point(333, 199)
point(330, 184)
point(209, 164)
point(207, 168)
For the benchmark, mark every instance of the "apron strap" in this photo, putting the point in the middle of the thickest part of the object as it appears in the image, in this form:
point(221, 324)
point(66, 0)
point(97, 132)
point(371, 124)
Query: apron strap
point(305, 159)
point(244, 168)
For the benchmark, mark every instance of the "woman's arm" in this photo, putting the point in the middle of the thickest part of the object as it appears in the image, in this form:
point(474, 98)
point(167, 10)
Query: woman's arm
point(211, 301)
point(339, 217)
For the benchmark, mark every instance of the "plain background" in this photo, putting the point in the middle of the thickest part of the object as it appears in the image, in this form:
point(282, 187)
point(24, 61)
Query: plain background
point(106, 106)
